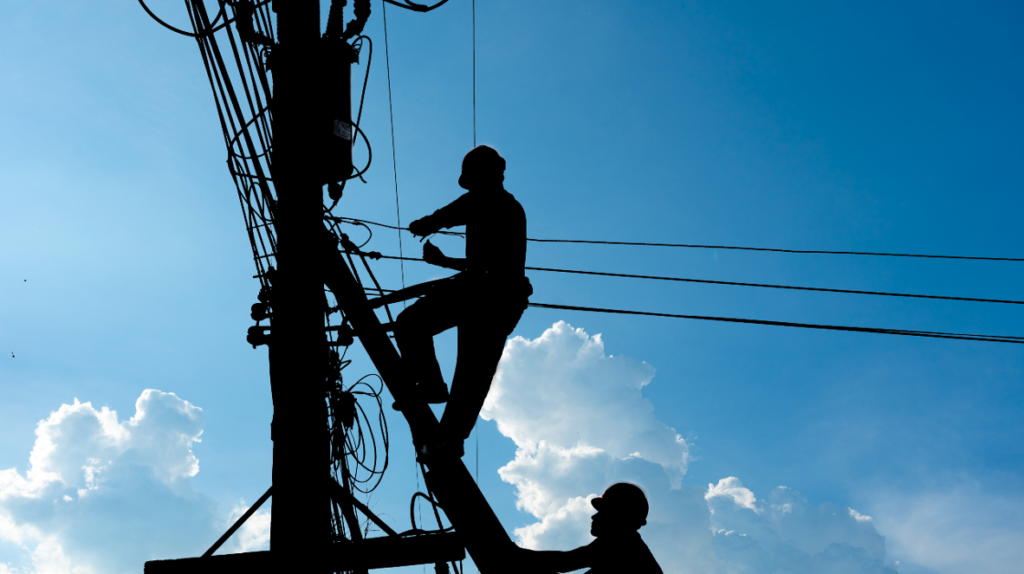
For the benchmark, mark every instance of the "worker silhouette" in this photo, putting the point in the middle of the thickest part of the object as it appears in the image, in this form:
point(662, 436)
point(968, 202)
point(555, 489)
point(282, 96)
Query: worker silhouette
point(484, 300)
point(621, 511)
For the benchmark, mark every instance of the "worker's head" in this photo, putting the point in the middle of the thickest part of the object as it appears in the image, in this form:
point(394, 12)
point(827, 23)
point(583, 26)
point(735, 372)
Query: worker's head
point(623, 507)
point(482, 168)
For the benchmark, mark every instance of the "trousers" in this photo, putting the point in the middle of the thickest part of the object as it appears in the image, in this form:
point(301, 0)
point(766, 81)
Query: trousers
point(485, 314)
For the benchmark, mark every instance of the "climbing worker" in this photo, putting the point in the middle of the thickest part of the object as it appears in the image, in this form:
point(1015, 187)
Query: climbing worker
point(484, 300)
point(621, 511)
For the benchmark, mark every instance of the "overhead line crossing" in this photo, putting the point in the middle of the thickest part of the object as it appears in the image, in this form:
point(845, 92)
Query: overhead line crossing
point(700, 246)
point(740, 284)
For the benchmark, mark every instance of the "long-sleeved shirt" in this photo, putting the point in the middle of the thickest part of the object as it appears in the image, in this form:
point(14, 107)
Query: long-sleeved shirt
point(613, 553)
point(619, 554)
point(495, 231)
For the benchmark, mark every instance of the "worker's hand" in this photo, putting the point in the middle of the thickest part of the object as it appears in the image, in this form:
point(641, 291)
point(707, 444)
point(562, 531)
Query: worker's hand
point(421, 227)
point(433, 255)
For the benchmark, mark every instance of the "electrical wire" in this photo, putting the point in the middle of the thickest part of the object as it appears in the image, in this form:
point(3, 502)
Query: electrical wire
point(775, 250)
point(194, 34)
point(476, 435)
point(759, 285)
point(391, 114)
point(416, 7)
point(771, 286)
point(904, 332)
point(474, 73)
point(768, 249)
point(877, 330)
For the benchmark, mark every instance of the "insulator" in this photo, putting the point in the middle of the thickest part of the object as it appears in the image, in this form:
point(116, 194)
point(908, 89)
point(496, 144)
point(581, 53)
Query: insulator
point(259, 311)
point(264, 295)
point(335, 190)
point(258, 336)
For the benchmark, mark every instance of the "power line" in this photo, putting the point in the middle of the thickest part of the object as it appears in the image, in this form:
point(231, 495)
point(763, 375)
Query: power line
point(876, 330)
point(476, 458)
point(771, 286)
point(771, 249)
point(474, 73)
point(760, 285)
point(903, 332)
point(732, 247)
point(394, 152)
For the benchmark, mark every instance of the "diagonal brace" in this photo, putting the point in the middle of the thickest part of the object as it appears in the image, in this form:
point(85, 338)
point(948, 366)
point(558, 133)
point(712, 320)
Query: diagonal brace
point(342, 496)
point(238, 523)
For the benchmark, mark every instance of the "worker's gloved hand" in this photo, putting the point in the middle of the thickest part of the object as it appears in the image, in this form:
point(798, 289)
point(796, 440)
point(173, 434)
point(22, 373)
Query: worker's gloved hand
point(432, 255)
point(421, 227)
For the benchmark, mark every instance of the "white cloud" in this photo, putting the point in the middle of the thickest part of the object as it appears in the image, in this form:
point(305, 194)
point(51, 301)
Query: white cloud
point(960, 529)
point(858, 516)
point(561, 389)
point(254, 534)
point(732, 489)
point(101, 495)
point(786, 533)
point(580, 423)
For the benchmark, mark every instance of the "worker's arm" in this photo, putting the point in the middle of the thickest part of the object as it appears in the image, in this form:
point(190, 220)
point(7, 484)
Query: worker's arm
point(451, 215)
point(553, 560)
point(434, 256)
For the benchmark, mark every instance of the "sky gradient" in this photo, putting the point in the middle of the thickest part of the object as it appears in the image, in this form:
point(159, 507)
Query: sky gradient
point(853, 126)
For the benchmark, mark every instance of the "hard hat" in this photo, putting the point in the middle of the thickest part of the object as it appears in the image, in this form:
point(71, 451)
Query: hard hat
point(481, 162)
point(625, 500)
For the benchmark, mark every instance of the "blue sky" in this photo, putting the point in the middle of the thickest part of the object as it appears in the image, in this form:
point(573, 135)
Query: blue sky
point(803, 125)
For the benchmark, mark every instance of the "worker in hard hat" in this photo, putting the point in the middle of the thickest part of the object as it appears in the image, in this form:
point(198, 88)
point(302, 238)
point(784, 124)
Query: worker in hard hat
point(621, 511)
point(484, 300)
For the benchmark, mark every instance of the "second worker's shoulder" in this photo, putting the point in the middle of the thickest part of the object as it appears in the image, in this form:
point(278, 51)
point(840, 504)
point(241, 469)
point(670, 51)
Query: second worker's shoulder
point(623, 553)
point(510, 200)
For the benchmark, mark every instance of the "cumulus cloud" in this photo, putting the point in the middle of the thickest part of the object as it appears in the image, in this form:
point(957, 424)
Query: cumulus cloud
point(103, 495)
point(580, 423)
point(958, 529)
point(548, 391)
point(254, 533)
point(787, 534)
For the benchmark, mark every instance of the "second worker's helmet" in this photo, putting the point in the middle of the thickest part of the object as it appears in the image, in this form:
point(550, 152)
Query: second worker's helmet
point(625, 501)
point(481, 164)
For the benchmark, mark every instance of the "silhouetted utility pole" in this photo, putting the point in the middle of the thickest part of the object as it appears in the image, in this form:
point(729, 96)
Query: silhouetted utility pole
point(300, 530)
point(312, 136)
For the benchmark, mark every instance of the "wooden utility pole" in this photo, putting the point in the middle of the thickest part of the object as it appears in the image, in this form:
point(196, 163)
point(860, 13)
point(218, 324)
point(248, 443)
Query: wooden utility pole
point(300, 532)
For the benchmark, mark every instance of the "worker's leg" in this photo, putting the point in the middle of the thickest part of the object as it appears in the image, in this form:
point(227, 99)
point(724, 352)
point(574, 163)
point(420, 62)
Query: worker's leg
point(481, 342)
point(414, 333)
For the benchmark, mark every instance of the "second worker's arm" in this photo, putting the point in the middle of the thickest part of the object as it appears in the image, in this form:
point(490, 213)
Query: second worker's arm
point(553, 560)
